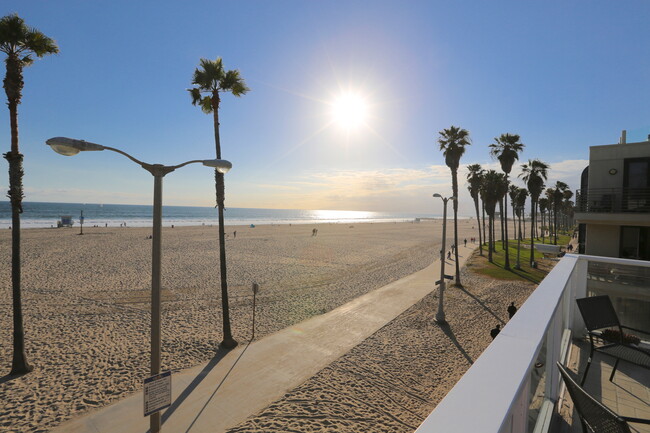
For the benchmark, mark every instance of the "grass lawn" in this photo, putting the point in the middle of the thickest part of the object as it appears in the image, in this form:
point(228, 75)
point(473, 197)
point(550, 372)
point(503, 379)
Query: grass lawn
point(481, 265)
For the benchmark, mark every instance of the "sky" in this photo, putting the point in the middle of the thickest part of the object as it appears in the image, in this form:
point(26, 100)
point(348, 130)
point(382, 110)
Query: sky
point(564, 75)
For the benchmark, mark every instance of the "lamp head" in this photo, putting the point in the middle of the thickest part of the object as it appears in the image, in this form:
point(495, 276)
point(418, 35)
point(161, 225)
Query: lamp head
point(437, 195)
point(454, 198)
point(70, 146)
point(221, 165)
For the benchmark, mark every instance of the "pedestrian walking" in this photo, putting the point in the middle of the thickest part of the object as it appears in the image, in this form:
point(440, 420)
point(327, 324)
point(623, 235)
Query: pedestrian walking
point(465, 241)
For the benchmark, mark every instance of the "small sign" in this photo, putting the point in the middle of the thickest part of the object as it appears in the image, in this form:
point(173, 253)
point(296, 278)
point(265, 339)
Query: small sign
point(449, 277)
point(157, 392)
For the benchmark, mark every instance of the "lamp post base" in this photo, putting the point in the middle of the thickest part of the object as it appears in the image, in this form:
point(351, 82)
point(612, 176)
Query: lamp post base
point(228, 343)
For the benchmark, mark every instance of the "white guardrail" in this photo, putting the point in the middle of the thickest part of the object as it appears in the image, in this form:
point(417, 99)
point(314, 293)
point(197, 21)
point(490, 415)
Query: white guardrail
point(513, 386)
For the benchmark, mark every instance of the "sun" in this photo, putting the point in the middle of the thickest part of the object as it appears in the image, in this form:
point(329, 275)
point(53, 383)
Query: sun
point(349, 111)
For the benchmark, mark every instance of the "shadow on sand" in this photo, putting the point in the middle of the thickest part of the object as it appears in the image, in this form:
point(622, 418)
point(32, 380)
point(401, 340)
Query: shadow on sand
point(481, 303)
point(221, 353)
point(450, 334)
point(10, 377)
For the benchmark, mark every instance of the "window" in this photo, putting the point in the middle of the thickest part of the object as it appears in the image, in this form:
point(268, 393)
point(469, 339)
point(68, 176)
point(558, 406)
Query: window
point(635, 243)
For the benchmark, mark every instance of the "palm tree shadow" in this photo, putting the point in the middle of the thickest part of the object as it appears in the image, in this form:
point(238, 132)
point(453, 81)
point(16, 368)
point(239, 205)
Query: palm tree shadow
point(520, 273)
point(198, 415)
point(221, 353)
point(450, 334)
point(9, 378)
point(482, 304)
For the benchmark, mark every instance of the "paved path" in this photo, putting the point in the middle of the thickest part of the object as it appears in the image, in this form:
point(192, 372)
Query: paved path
point(235, 385)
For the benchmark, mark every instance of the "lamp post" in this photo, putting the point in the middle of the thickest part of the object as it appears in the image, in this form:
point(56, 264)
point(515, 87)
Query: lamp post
point(69, 147)
point(440, 315)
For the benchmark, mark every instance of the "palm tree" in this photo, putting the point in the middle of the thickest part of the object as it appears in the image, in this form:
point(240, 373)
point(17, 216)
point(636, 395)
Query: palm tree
point(534, 173)
point(502, 192)
point(506, 149)
point(491, 194)
point(452, 142)
point(474, 175)
point(210, 80)
point(19, 43)
point(558, 195)
point(520, 202)
point(512, 193)
point(543, 206)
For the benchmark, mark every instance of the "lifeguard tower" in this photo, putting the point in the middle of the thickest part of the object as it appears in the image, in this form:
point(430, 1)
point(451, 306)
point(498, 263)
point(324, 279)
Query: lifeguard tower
point(65, 221)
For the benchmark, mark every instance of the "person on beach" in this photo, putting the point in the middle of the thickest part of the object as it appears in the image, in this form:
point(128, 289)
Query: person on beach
point(448, 255)
point(465, 241)
point(512, 310)
point(494, 332)
point(234, 234)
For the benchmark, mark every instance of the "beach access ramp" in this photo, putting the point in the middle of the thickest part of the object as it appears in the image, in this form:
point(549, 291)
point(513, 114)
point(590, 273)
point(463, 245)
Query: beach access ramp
point(549, 249)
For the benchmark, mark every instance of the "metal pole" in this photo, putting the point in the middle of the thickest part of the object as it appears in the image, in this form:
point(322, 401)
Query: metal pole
point(440, 315)
point(155, 287)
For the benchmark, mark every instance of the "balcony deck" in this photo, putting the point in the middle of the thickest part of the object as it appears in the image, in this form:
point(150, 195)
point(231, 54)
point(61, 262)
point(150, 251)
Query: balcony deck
point(628, 395)
point(515, 386)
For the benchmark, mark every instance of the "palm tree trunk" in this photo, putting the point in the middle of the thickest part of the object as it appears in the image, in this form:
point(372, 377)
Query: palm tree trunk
point(478, 221)
point(483, 212)
point(532, 234)
point(454, 180)
point(519, 242)
point(19, 363)
point(524, 225)
point(501, 212)
point(514, 223)
point(490, 237)
point(506, 266)
point(228, 341)
point(494, 233)
point(555, 224)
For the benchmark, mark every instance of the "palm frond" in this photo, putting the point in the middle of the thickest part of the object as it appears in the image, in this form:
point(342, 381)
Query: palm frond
point(234, 83)
point(206, 105)
point(17, 38)
point(195, 94)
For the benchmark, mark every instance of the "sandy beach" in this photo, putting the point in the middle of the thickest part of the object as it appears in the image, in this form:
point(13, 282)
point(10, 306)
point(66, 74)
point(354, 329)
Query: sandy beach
point(86, 301)
point(395, 378)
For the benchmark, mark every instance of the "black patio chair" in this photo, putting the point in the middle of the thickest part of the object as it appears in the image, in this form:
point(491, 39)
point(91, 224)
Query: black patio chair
point(594, 416)
point(598, 313)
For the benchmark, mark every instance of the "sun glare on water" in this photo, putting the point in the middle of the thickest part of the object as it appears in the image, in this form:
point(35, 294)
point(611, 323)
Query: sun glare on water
point(349, 111)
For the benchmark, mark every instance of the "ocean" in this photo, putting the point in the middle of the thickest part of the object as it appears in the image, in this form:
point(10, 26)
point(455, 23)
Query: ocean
point(39, 214)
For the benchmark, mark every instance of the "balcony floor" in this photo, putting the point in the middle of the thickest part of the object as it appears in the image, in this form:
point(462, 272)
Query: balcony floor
point(628, 395)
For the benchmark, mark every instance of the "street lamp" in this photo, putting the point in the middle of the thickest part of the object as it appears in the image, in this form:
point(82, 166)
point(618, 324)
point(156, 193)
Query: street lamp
point(69, 147)
point(440, 315)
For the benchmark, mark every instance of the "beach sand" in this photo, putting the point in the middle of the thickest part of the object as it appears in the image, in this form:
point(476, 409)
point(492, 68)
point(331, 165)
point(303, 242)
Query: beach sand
point(394, 379)
point(86, 300)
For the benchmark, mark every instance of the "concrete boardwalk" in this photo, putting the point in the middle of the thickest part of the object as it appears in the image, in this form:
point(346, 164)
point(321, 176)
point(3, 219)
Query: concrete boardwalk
point(235, 385)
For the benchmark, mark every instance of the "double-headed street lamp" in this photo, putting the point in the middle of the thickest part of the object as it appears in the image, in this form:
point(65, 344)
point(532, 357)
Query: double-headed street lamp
point(440, 315)
point(69, 147)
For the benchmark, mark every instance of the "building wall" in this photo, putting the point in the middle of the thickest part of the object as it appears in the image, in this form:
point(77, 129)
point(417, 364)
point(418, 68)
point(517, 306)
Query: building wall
point(604, 158)
point(602, 240)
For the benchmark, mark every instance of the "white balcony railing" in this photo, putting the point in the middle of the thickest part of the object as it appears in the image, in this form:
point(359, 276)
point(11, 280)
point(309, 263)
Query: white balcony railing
point(514, 385)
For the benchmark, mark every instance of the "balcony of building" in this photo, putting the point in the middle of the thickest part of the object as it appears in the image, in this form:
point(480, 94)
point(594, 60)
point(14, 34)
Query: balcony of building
point(623, 206)
point(515, 385)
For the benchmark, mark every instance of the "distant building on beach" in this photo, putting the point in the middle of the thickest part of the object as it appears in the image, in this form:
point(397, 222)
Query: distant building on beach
point(613, 203)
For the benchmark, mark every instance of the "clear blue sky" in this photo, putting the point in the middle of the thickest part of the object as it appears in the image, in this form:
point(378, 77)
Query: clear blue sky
point(563, 75)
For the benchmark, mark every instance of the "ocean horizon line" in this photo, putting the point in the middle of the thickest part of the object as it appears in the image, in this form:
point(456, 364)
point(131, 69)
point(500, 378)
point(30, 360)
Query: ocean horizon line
point(48, 214)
